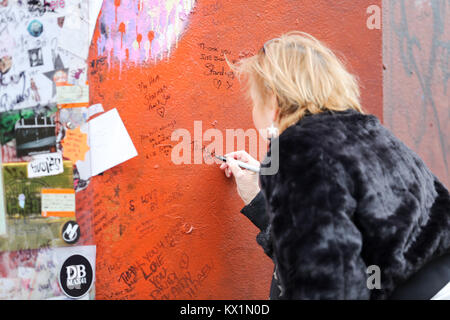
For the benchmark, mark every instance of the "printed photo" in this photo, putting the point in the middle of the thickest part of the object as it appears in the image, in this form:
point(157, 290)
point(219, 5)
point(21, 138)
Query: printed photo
point(36, 58)
point(35, 135)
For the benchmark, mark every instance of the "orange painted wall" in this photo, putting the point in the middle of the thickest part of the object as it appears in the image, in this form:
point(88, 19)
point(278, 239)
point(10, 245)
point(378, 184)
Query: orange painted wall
point(175, 231)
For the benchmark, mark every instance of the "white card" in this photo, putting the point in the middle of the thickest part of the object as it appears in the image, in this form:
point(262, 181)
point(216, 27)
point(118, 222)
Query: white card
point(109, 142)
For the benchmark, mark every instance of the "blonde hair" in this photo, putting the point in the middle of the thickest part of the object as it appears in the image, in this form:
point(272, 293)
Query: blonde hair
point(304, 75)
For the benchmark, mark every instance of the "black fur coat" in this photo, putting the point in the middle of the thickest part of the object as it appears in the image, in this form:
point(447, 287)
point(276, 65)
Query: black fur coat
point(348, 195)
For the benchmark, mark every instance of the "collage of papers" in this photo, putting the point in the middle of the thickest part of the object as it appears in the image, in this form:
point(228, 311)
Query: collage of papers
point(50, 146)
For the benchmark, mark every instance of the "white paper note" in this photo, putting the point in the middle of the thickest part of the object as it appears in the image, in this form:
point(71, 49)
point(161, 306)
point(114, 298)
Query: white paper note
point(109, 141)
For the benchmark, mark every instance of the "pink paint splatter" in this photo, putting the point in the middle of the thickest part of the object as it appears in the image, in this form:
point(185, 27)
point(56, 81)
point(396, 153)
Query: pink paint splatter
point(167, 21)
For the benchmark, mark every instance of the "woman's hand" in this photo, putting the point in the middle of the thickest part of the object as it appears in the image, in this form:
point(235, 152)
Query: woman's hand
point(246, 181)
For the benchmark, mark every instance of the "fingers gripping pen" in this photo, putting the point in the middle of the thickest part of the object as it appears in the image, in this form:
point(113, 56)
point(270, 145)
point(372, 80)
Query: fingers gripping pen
point(240, 164)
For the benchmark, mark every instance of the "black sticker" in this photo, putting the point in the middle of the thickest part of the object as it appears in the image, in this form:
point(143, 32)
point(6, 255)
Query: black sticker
point(71, 232)
point(75, 276)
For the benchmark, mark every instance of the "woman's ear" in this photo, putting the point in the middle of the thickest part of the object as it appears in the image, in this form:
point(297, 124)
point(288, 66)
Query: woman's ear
point(274, 107)
point(276, 114)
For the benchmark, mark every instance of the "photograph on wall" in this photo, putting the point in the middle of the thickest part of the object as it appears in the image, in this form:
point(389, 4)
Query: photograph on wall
point(35, 135)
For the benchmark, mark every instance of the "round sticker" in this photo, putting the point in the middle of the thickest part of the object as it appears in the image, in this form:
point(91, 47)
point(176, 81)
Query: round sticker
point(35, 28)
point(75, 276)
point(71, 232)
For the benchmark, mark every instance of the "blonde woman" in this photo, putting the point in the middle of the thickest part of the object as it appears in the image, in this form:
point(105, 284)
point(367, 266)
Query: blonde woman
point(351, 213)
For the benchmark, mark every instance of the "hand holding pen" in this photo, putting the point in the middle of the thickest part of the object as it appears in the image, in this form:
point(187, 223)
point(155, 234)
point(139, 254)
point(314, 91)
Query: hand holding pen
point(245, 170)
point(244, 165)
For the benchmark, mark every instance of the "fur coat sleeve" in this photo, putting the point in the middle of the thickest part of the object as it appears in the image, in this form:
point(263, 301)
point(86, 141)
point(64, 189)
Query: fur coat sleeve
point(316, 246)
point(256, 212)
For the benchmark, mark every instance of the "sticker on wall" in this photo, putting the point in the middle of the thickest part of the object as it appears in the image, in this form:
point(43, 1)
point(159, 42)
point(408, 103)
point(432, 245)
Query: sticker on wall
point(69, 96)
point(43, 165)
point(75, 145)
point(71, 232)
point(78, 183)
point(75, 276)
point(58, 202)
point(35, 28)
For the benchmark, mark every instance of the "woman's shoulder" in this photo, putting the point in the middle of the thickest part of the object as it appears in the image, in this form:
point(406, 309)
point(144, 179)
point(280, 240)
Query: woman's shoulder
point(352, 142)
point(330, 130)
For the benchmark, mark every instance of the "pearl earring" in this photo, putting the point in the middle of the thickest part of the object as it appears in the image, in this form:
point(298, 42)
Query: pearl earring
point(272, 131)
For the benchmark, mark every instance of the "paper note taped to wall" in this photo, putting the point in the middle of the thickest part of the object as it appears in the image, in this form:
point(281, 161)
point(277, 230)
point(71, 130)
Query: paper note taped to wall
point(75, 145)
point(58, 202)
point(43, 165)
point(110, 144)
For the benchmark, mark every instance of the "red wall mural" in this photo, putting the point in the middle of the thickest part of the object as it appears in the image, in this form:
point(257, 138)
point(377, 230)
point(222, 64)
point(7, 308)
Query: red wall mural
point(167, 231)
